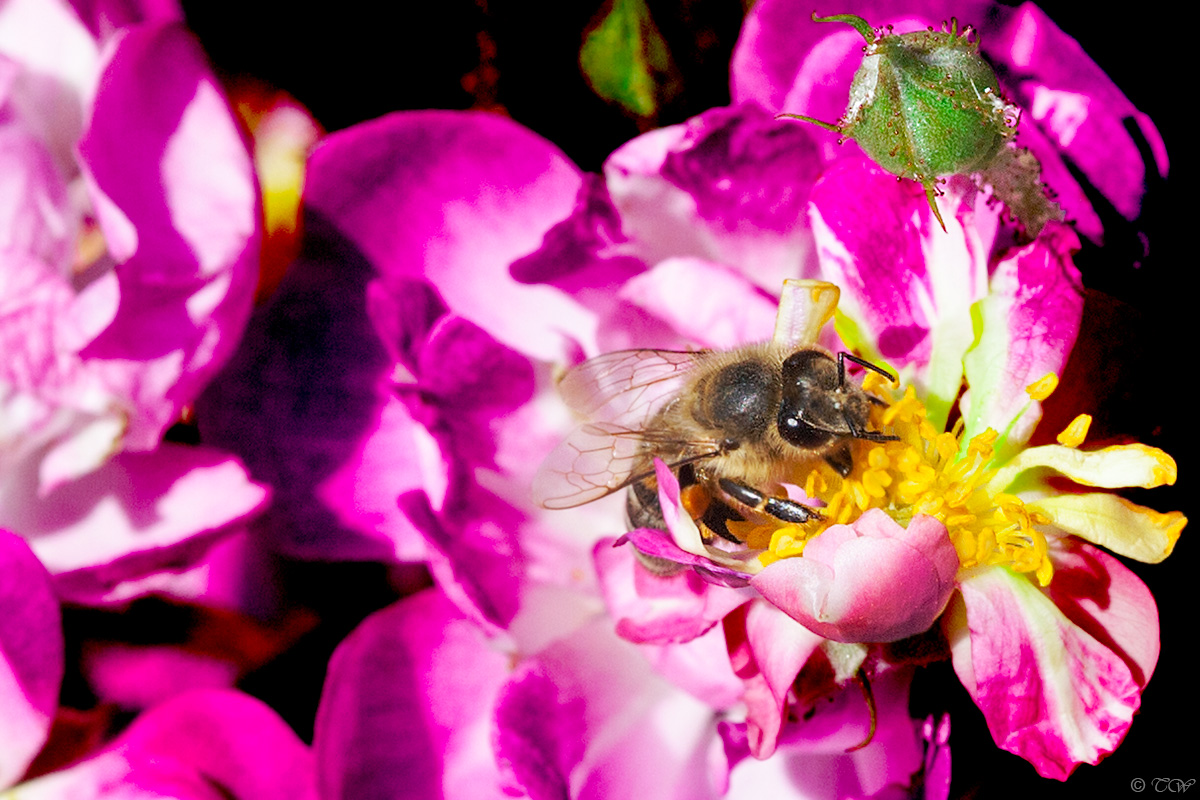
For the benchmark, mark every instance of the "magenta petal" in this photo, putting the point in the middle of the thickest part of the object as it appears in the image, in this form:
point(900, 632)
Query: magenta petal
point(730, 185)
point(1031, 319)
point(406, 707)
point(870, 582)
point(138, 514)
point(589, 713)
point(1103, 597)
point(899, 273)
point(659, 608)
point(659, 544)
point(202, 745)
point(482, 190)
point(1070, 98)
point(31, 656)
point(768, 658)
point(779, 35)
point(176, 198)
point(1051, 693)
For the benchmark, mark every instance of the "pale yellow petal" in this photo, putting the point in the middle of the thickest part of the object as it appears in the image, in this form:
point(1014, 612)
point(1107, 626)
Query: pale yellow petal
point(1116, 524)
point(1111, 468)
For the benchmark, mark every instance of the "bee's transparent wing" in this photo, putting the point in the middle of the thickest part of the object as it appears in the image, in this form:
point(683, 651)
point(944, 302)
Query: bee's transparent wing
point(595, 460)
point(622, 391)
point(626, 386)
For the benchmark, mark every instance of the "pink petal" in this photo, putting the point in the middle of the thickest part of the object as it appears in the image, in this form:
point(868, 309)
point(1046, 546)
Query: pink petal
point(469, 194)
point(729, 186)
point(202, 745)
point(710, 305)
point(406, 707)
point(1050, 692)
point(767, 650)
point(1103, 597)
point(176, 198)
point(589, 713)
point(870, 582)
point(1031, 317)
point(31, 656)
point(138, 514)
point(649, 607)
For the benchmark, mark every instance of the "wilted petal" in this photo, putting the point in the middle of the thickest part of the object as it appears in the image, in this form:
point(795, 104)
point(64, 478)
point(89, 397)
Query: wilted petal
point(1030, 319)
point(1115, 524)
point(202, 745)
point(31, 656)
point(1114, 467)
point(1050, 692)
point(467, 195)
point(872, 581)
point(406, 707)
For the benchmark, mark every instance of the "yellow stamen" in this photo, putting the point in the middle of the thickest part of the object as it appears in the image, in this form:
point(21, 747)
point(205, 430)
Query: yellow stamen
point(923, 473)
point(1074, 434)
point(1043, 387)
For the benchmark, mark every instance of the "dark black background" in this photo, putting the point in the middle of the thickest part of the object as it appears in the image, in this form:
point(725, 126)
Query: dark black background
point(355, 61)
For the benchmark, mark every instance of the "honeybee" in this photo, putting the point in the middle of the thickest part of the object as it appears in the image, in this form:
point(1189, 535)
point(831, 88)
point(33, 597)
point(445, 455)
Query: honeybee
point(739, 423)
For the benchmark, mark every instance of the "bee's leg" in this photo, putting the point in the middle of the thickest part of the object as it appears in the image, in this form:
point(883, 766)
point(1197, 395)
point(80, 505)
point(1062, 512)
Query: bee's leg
point(862, 433)
point(781, 509)
point(841, 460)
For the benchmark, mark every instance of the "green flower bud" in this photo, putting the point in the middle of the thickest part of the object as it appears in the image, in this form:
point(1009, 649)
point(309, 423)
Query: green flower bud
point(924, 105)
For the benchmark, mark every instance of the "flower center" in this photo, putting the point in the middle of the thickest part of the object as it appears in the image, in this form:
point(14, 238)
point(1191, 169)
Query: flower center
point(924, 472)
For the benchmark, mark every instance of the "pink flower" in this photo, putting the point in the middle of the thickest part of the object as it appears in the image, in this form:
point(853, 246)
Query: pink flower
point(129, 225)
point(462, 263)
point(872, 581)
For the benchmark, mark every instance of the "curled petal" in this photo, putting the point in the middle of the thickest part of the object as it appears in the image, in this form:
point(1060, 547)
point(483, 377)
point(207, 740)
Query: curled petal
point(1116, 524)
point(872, 581)
point(1113, 467)
point(1050, 692)
point(767, 649)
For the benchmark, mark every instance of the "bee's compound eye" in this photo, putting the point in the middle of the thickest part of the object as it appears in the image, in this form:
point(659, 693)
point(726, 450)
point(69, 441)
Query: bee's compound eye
point(810, 368)
point(796, 431)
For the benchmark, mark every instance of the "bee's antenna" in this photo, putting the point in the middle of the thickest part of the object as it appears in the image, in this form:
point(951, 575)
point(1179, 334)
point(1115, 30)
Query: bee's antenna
point(862, 362)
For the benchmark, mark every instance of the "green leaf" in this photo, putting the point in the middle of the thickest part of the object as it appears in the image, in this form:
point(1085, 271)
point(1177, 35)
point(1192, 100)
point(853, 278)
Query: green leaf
point(625, 59)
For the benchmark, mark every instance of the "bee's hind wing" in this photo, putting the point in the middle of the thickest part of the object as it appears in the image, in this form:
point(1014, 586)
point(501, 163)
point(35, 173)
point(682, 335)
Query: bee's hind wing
point(597, 459)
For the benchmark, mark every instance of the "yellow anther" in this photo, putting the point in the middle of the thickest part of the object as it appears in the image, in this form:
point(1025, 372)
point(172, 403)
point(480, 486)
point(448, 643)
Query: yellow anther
point(1042, 387)
point(1074, 434)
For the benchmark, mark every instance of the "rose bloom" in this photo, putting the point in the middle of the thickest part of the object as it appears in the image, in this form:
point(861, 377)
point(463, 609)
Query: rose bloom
point(398, 393)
